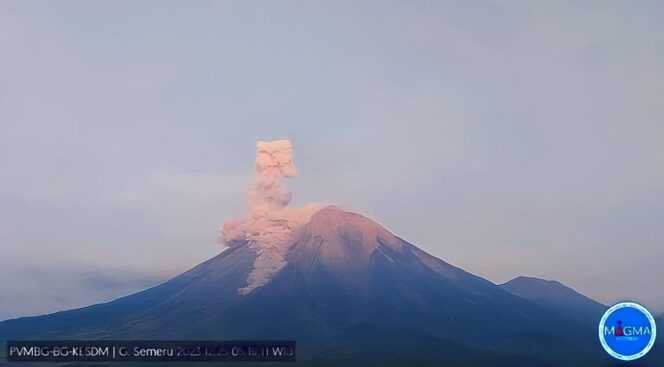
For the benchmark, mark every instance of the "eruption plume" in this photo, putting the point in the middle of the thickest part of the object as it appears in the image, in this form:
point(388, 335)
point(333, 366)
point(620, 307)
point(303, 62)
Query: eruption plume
point(274, 163)
point(271, 225)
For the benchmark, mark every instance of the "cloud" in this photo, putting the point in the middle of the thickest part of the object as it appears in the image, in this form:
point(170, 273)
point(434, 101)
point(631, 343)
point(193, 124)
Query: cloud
point(36, 290)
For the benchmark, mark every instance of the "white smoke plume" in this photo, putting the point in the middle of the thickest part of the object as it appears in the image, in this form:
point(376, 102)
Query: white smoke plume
point(274, 163)
point(270, 228)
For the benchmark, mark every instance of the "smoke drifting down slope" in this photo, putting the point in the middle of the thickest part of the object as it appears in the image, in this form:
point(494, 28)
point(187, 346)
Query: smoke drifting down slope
point(271, 225)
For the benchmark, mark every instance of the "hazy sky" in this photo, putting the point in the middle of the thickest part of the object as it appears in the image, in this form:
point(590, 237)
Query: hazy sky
point(508, 138)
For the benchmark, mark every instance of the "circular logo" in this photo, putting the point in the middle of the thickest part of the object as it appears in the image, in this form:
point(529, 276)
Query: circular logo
point(627, 331)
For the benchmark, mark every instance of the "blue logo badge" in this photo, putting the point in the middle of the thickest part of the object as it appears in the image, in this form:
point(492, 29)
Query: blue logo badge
point(627, 331)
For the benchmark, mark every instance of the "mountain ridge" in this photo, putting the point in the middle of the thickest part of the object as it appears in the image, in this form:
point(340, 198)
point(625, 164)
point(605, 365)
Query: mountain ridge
point(555, 295)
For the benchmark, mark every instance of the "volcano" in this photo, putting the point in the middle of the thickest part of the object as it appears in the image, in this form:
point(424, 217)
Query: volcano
point(350, 293)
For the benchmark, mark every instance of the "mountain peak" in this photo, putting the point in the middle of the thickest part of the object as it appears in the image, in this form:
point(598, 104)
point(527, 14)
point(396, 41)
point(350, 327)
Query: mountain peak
point(330, 209)
point(528, 281)
point(342, 243)
point(333, 223)
point(331, 214)
point(536, 288)
point(553, 294)
point(328, 236)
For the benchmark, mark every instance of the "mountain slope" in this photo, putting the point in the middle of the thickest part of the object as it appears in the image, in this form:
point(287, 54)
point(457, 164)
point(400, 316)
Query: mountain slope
point(344, 274)
point(556, 296)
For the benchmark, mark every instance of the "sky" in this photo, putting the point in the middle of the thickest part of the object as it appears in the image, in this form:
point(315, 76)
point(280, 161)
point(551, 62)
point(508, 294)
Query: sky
point(506, 137)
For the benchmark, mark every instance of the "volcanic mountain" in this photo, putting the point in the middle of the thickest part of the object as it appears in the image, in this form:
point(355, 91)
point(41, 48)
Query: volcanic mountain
point(350, 293)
